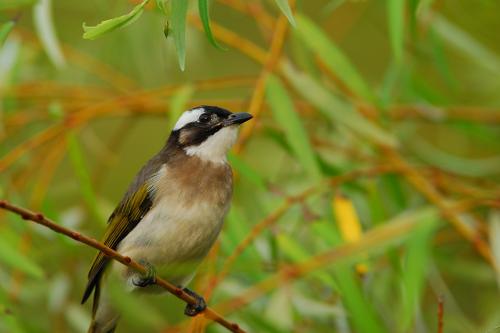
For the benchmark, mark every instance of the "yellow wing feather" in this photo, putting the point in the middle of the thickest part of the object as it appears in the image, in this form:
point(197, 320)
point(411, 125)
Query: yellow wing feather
point(125, 217)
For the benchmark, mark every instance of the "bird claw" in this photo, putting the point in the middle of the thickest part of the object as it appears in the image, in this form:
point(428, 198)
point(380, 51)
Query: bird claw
point(192, 310)
point(144, 280)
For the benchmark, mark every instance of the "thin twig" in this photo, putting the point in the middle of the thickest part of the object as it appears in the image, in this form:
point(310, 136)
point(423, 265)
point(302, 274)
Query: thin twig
point(440, 314)
point(257, 101)
point(372, 239)
point(127, 261)
point(426, 188)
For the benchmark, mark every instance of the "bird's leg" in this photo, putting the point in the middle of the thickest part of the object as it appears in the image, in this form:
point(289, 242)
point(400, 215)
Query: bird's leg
point(144, 280)
point(192, 310)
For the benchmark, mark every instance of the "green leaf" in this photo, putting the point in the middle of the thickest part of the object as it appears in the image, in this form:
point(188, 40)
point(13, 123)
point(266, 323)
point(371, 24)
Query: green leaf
point(237, 229)
point(205, 19)
point(93, 32)
point(161, 6)
point(392, 193)
point(247, 172)
point(12, 257)
point(441, 62)
point(413, 6)
point(335, 108)
point(477, 167)
point(44, 24)
point(82, 174)
point(316, 40)
point(414, 271)
point(179, 13)
point(396, 15)
point(178, 103)
point(362, 314)
point(465, 43)
point(296, 135)
point(293, 250)
point(5, 29)
point(284, 6)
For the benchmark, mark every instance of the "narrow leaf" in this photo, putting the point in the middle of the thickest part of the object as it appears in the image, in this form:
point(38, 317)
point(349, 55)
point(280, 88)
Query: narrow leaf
point(205, 19)
point(335, 108)
point(362, 314)
point(296, 135)
point(178, 102)
point(415, 268)
point(42, 16)
point(13, 258)
point(317, 41)
point(441, 61)
point(473, 167)
point(347, 218)
point(93, 32)
point(465, 43)
point(5, 29)
point(284, 6)
point(83, 176)
point(296, 252)
point(413, 6)
point(247, 172)
point(348, 223)
point(396, 15)
point(161, 6)
point(179, 13)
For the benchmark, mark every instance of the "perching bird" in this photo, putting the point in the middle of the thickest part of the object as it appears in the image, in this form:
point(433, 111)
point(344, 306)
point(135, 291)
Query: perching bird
point(172, 212)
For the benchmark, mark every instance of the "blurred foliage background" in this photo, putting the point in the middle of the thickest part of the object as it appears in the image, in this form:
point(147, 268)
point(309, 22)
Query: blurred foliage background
point(366, 188)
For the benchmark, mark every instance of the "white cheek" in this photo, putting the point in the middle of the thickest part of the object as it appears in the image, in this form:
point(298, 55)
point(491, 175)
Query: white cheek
point(215, 148)
point(188, 117)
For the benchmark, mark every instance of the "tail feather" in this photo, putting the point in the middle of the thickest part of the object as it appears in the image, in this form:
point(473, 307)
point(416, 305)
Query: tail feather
point(96, 328)
point(104, 318)
point(97, 295)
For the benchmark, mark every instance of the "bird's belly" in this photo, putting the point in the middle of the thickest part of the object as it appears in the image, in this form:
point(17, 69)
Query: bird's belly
point(174, 239)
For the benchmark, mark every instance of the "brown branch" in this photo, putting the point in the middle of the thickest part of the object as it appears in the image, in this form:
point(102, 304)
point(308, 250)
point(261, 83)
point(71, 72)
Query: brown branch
point(257, 101)
point(440, 314)
point(127, 261)
point(427, 189)
point(372, 239)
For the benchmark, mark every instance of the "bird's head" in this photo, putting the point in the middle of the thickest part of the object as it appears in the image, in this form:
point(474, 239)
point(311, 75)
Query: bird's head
point(208, 132)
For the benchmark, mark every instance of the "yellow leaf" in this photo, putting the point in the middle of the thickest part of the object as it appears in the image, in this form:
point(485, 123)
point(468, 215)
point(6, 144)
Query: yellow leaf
point(346, 217)
point(348, 222)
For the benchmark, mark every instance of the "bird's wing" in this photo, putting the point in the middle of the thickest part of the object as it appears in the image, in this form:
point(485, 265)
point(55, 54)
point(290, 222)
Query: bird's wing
point(125, 217)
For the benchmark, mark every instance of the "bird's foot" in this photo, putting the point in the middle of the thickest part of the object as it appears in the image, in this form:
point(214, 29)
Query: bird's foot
point(192, 310)
point(144, 280)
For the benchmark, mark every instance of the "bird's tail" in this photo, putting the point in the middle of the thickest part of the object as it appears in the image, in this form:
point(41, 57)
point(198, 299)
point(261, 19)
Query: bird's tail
point(95, 328)
point(104, 319)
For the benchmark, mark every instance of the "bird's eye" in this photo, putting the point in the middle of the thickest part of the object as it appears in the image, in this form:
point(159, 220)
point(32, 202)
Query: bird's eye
point(204, 118)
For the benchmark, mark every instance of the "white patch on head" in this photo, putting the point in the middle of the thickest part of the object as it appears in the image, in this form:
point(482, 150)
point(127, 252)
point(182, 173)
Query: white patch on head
point(216, 146)
point(188, 117)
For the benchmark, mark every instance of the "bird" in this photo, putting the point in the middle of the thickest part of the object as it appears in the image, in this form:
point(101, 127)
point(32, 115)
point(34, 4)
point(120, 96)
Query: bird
point(171, 214)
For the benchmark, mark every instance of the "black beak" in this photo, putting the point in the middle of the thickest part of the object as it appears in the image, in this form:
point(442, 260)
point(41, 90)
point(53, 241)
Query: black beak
point(237, 118)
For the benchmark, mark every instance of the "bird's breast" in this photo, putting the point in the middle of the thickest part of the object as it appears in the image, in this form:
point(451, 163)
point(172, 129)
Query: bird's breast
point(186, 216)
